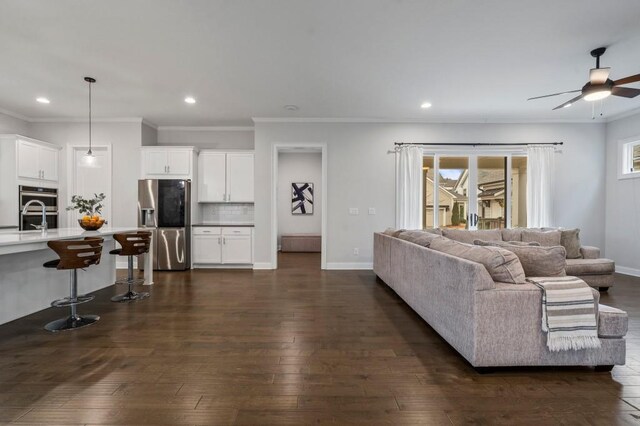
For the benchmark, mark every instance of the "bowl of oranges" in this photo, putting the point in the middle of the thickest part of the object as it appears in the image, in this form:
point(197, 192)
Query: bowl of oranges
point(91, 223)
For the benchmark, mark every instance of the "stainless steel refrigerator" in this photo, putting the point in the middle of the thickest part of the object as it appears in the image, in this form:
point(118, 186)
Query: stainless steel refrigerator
point(164, 207)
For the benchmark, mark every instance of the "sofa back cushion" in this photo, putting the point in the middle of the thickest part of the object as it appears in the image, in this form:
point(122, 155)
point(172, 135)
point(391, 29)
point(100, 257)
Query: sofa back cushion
point(512, 234)
point(419, 237)
point(570, 240)
point(468, 237)
point(392, 232)
point(537, 261)
point(502, 265)
point(545, 238)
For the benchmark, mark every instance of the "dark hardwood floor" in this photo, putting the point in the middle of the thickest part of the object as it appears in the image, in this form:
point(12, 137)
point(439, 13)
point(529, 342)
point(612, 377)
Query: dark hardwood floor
point(294, 346)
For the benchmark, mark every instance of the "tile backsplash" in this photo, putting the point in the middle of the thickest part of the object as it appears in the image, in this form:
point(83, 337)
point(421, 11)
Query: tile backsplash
point(228, 212)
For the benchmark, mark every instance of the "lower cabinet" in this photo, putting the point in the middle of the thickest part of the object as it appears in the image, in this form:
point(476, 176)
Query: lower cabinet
point(222, 246)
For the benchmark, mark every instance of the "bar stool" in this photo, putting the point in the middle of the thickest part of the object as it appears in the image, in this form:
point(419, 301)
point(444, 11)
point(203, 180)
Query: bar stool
point(133, 244)
point(74, 255)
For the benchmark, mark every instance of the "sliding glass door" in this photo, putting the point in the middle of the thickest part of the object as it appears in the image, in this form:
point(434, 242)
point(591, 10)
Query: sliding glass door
point(474, 191)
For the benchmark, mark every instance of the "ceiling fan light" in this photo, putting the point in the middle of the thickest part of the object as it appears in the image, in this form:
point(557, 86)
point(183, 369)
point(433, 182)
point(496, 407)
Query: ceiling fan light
point(567, 106)
point(596, 95)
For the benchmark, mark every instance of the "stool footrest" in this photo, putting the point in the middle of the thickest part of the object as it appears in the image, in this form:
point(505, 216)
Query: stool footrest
point(68, 301)
point(135, 281)
point(129, 296)
point(71, 322)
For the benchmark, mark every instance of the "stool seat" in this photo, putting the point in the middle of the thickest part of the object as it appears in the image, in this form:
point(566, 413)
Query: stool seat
point(133, 244)
point(51, 263)
point(74, 255)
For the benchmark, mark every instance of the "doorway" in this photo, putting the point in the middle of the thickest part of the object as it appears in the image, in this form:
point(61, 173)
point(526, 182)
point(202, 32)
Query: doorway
point(299, 207)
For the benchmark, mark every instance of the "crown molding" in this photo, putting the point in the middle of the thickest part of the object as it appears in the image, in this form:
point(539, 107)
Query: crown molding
point(208, 128)
point(149, 123)
point(433, 120)
point(14, 115)
point(624, 114)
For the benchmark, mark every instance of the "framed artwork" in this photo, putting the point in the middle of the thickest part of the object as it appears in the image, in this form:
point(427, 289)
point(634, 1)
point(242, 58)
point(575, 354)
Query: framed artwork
point(302, 198)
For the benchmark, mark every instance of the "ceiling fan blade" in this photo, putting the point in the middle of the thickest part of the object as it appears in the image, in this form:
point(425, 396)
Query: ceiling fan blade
point(625, 92)
point(627, 80)
point(599, 75)
point(554, 94)
point(577, 98)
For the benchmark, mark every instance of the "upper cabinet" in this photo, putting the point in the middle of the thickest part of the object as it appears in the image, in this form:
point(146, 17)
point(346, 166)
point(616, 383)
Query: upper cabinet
point(36, 160)
point(225, 177)
point(168, 162)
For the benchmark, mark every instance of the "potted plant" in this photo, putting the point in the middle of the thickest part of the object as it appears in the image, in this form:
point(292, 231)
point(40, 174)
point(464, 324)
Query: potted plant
point(90, 209)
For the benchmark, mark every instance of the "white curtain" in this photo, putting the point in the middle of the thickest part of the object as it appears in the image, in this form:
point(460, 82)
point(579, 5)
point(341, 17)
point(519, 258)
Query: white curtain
point(409, 188)
point(540, 185)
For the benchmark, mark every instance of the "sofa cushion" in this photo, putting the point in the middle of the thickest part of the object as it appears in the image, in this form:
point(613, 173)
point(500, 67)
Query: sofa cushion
point(465, 236)
point(536, 261)
point(505, 243)
point(512, 234)
point(392, 232)
point(578, 267)
point(502, 265)
point(545, 238)
point(570, 240)
point(612, 322)
point(418, 237)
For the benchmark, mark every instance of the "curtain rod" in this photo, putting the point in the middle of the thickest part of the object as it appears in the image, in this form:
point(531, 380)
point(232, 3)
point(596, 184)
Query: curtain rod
point(479, 144)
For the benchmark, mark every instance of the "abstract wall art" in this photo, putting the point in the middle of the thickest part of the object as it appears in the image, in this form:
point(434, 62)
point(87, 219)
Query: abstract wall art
point(302, 198)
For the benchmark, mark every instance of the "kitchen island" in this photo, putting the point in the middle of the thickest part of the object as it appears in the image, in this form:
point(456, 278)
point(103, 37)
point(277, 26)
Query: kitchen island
point(27, 287)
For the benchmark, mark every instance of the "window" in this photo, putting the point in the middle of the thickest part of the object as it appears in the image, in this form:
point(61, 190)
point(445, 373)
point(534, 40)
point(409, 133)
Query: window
point(630, 159)
point(483, 189)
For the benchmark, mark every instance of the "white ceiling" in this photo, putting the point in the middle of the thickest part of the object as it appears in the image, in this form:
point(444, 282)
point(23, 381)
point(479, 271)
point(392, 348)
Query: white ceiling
point(366, 59)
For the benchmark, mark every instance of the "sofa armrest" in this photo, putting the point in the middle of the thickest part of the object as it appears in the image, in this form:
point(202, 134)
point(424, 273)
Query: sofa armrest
point(589, 252)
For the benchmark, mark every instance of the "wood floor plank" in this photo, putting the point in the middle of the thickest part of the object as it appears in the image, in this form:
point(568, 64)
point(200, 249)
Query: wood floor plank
point(293, 346)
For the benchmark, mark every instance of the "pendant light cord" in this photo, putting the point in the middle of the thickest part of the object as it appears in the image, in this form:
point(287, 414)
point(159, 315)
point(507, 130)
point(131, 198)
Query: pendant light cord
point(90, 152)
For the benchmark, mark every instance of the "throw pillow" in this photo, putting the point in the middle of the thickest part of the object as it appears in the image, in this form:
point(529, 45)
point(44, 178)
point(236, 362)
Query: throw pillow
point(537, 261)
point(502, 265)
point(505, 243)
point(545, 238)
point(465, 236)
point(393, 232)
point(570, 240)
point(418, 237)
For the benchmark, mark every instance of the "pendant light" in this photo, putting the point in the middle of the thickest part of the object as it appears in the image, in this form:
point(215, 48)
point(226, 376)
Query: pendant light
point(89, 159)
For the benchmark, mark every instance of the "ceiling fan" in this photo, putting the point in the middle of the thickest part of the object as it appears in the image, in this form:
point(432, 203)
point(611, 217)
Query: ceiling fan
point(599, 85)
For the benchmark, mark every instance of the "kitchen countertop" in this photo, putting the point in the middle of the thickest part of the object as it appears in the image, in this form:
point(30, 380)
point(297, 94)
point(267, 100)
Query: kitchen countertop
point(225, 224)
point(21, 241)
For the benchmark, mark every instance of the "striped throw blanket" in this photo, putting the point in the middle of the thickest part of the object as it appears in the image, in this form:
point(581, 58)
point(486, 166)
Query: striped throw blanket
point(568, 313)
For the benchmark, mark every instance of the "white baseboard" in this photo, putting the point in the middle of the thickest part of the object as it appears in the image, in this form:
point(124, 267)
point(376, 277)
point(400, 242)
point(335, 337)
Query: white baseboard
point(263, 265)
point(353, 266)
point(221, 266)
point(628, 271)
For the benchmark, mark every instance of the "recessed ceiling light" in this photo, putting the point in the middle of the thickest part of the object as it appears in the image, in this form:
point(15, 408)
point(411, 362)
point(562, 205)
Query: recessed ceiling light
point(425, 105)
point(190, 100)
point(43, 100)
point(291, 107)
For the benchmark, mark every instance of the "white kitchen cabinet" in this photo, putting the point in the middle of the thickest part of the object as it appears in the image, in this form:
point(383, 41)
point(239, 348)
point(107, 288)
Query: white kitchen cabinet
point(167, 162)
point(240, 178)
point(207, 248)
point(37, 161)
point(225, 177)
point(222, 246)
point(212, 177)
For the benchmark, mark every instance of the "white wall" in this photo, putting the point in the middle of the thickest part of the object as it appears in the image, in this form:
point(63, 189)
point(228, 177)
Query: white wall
point(622, 228)
point(149, 135)
point(299, 167)
point(362, 174)
point(10, 124)
point(125, 140)
point(207, 137)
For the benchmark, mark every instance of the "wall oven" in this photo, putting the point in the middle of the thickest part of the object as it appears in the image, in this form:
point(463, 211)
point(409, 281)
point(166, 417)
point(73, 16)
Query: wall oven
point(33, 216)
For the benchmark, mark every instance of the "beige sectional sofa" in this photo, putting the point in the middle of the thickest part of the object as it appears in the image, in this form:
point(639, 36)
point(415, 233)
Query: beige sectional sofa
point(489, 323)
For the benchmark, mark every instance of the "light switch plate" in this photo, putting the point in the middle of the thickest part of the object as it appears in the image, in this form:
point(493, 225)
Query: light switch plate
point(353, 211)
point(372, 210)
